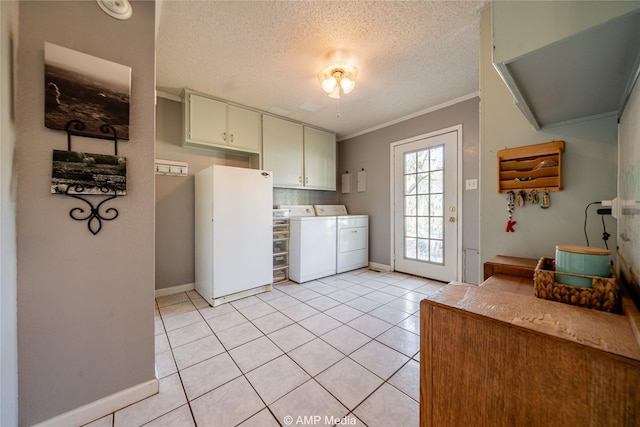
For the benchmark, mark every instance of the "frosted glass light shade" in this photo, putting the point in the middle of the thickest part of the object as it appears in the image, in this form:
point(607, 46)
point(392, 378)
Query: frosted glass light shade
point(347, 84)
point(328, 85)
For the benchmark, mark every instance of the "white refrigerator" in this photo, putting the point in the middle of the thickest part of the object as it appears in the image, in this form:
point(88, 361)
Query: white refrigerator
point(233, 233)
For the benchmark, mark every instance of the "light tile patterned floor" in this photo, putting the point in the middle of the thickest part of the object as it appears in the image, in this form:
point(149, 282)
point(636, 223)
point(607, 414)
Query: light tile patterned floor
point(303, 354)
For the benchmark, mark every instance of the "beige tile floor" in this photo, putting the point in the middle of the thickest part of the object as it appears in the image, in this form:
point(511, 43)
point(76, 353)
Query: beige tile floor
point(339, 350)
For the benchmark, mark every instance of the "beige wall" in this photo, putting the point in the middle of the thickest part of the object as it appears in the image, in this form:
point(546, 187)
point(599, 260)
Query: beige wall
point(589, 173)
point(371, 152)
point(8, 315)
point(85, 302)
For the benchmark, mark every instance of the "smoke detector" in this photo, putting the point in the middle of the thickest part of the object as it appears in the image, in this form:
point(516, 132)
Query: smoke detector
point(119, 9)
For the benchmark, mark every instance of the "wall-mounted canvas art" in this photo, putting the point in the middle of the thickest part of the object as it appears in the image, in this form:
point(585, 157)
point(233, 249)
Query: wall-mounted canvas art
point(87, 173)
point(85, 88)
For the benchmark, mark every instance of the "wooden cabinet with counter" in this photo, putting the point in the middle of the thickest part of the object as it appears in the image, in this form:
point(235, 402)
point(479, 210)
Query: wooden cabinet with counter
point(495, 355)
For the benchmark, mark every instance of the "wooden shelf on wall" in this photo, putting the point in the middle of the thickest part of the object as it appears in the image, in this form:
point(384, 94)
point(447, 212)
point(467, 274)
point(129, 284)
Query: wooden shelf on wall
point(531, 167)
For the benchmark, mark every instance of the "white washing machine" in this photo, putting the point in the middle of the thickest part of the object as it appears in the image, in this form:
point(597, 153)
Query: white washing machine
point(312, 244)
point(352, 234)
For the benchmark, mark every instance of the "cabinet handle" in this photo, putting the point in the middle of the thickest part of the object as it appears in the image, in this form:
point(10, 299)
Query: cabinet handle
point(224, 136)
point(231, 137)
point(299, 180)
point(306, 179)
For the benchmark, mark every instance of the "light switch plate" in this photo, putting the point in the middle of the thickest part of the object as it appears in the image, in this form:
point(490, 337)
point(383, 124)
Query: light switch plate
point(471, 184)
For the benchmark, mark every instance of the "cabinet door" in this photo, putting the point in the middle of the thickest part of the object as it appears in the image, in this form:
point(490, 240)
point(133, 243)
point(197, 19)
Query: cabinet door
point(207, 120)
point(282, 143)
point(319, 159)
point(243, 129)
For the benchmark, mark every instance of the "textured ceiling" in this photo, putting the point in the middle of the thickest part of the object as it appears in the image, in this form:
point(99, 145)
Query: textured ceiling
point(410, 56)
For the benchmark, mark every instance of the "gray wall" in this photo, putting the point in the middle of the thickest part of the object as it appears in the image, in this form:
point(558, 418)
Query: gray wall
point(589, 173)
point(85, 302)
point(174, 197)
point(371, 152)
point(8, 315)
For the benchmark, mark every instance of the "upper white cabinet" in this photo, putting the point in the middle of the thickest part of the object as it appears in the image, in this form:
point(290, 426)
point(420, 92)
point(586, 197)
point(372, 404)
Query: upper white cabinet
point(243, 128)
point(319, 159)
point(283, 151)
point(209, 123)
point(298, 155)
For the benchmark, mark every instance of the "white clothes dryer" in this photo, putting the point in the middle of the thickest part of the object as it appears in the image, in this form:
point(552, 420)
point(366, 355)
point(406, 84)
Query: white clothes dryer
point(352, 234)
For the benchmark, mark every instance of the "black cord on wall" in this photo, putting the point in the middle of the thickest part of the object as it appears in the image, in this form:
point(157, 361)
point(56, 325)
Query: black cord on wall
point(602, 212)
point(605, 235)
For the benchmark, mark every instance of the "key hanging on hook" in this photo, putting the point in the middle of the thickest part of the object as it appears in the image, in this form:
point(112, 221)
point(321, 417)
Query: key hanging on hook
point(546, 200)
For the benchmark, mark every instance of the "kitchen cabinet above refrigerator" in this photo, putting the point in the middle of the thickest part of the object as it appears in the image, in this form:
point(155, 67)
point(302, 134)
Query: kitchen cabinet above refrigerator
point(566, 62)
point(210, 123)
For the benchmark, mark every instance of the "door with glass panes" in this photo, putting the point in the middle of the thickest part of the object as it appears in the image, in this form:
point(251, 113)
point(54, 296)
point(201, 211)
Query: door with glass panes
point(425, 206)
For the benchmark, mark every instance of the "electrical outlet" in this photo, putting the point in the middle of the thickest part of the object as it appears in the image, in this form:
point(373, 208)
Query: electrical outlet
point(471, 184)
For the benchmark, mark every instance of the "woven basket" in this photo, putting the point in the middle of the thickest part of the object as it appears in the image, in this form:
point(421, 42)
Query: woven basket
point(604, 295)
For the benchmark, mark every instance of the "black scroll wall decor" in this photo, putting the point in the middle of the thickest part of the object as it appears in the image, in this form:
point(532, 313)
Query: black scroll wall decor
point(95, 179)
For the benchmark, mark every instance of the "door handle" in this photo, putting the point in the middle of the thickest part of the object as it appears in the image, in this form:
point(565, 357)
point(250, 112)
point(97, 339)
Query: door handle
point(452, 219)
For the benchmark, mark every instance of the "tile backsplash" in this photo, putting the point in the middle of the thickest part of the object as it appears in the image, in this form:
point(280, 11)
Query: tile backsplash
point(288, 196)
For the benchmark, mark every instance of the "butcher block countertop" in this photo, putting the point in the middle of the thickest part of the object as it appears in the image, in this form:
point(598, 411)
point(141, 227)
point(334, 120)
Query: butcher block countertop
point(608, 332)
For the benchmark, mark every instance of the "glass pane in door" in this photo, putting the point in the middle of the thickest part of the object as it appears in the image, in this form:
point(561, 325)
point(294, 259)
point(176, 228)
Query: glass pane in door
point(424, 205)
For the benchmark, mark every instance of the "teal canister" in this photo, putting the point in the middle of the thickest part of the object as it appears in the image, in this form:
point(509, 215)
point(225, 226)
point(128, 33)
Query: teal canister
point(583, 260)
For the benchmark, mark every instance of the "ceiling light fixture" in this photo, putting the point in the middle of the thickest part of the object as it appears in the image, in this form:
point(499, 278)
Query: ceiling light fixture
point(338, 77)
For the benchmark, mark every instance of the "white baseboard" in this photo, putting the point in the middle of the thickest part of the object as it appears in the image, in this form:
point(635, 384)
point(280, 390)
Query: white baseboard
point(381, 267)
point(105, 406)
point(175, 289)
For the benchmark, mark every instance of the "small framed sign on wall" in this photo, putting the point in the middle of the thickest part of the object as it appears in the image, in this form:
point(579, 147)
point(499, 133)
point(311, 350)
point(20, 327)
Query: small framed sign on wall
point(87, 173)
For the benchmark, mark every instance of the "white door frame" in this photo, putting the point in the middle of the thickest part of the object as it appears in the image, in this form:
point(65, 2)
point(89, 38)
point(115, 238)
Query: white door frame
point(458, 129)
